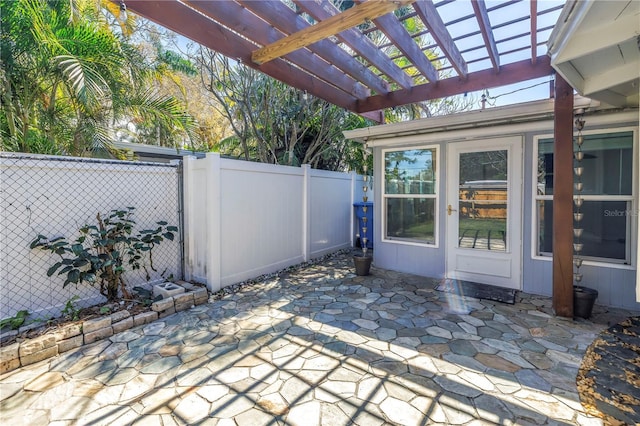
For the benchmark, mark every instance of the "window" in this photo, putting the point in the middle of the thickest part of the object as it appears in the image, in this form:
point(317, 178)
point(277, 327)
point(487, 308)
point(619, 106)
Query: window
point(607, 193)
point(410, 195)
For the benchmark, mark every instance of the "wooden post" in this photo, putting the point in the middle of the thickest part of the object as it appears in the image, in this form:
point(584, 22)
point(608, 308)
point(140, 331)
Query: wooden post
point(563, 199)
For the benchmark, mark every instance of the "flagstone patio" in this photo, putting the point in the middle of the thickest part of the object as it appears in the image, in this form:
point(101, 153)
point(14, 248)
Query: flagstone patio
point(322, 346)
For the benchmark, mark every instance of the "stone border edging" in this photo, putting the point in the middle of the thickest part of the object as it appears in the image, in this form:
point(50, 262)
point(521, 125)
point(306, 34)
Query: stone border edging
point(75, 335)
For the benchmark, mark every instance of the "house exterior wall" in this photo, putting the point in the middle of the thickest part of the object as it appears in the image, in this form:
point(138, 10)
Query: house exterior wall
point(614, 282)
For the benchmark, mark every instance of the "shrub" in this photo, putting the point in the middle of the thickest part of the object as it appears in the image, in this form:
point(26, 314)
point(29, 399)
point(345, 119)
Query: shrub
point(104, 251)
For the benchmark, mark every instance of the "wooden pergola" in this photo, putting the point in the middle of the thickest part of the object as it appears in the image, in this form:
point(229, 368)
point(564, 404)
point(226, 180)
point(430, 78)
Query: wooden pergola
point(366, 56)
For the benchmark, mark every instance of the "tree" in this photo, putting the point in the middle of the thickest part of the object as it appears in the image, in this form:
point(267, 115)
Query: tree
point(275, 123)
point(69, 75)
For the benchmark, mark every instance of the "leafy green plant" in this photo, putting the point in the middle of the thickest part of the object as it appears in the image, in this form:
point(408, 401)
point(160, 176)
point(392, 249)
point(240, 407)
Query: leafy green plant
point(71, 310)
point(105, 310)
point(16, 321)
point(103, 252)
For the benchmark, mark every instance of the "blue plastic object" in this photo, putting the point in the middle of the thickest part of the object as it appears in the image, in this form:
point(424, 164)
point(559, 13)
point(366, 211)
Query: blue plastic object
point(361, 214)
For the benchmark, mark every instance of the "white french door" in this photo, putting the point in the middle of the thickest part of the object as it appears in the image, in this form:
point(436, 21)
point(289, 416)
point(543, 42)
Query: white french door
point(484, 211)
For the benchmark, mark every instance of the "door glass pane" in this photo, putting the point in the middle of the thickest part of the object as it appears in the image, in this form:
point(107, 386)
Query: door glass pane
point(482, 204)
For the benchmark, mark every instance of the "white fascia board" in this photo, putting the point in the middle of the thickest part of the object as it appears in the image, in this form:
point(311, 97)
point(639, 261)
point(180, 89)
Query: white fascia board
point(572, 15)
point(571, 75)
point(472, 119)
point(620, 74)
point(613, 98)
point(583, 43)
point(544, 125)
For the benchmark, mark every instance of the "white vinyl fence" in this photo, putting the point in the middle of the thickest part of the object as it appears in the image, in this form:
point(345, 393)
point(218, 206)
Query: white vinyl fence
point(55, 196)
point(246, 219)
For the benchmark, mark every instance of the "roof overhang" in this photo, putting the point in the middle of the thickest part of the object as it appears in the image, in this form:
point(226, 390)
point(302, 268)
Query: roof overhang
point(509, 114)
point(595, 47)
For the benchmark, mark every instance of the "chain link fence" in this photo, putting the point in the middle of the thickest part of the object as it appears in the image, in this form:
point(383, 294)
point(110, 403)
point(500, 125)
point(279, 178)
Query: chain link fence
point(55, 197)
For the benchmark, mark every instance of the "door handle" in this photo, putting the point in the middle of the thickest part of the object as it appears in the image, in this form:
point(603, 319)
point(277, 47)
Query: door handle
point(449, 210)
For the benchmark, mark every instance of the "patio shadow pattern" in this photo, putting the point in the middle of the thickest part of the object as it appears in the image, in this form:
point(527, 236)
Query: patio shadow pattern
point(320, 345)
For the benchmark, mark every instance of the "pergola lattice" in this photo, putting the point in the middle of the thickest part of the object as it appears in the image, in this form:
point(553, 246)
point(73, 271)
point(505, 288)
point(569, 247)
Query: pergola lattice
point(369, 55)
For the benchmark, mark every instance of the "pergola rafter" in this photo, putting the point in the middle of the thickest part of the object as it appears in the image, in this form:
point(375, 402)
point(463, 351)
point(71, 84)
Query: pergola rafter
point(429, 15)
point(359, 44)
point(312, 45)
point(282, 17)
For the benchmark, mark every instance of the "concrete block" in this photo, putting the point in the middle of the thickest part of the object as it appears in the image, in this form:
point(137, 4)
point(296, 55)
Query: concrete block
point(200, 296)
point(166, 312)
point(32, 346)
point(123, 325)
point(9, 365)
point(96, 335)
point(96, 324)
point(70, 343)
point(167, 289)
point(67, 332)
point(9, 352)
point(187, 286)
point(39, 356)
point(119, 316)
point(162, 305)
point(183, 301)
point(145, 318)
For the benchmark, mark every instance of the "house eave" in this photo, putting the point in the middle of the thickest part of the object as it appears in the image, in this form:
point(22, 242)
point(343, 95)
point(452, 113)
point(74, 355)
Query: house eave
point(510, 114)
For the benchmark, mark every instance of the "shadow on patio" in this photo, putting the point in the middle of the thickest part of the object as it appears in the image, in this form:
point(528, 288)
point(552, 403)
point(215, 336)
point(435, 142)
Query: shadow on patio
point(320, 346)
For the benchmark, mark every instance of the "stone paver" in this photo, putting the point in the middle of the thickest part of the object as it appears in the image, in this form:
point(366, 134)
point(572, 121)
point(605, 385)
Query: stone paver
point(320, 345)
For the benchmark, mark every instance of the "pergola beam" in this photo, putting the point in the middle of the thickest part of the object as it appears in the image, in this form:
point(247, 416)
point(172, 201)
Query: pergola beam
point(399, 36)
point(509, 74)
point(426, 10)
point(233, 15)
point(287, 21)
point(534, 30)
point(482, 16)
point(563, 199)
point(359, 44)
point(194, 25)
point(350, 18)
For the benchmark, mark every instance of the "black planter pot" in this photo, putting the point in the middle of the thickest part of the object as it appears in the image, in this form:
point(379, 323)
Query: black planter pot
point(583, 300)
point(362, 263)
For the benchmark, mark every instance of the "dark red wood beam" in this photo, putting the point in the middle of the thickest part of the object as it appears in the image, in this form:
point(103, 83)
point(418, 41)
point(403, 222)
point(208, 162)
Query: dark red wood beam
point(534, 30)
point(426, 10)
point(482, 16)
point(286, 20)
point(485, 79)
point(183, 20)
point(398, 35)
point(563, 199)
point(232, 15)
point(360, 44)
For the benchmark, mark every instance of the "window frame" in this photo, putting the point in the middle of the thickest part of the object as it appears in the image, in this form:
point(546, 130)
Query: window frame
point(632, 218)
point(435, 196)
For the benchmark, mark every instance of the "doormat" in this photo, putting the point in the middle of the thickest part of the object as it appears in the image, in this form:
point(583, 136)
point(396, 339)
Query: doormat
point(478, 291)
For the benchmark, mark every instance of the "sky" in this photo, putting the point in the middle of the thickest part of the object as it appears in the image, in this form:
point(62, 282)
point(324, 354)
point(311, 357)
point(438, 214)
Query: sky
point(516, 93)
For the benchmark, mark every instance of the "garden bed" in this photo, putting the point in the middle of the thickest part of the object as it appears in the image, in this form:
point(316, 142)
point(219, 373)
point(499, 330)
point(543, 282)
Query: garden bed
point(32, 344)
